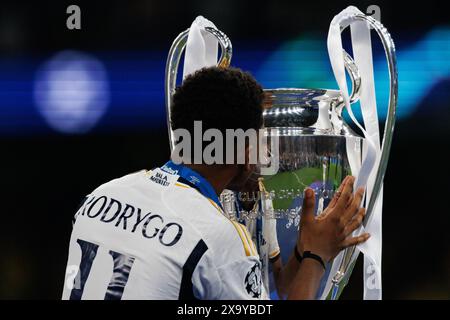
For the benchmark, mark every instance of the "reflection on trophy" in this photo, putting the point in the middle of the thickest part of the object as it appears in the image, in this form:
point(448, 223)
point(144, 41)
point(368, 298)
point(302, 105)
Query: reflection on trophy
point(314, 148)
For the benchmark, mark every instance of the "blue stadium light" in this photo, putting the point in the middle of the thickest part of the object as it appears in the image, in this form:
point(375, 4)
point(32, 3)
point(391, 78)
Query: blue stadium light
point(71, 92)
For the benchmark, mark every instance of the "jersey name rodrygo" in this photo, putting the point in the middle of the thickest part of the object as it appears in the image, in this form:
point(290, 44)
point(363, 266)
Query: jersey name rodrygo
point(159, 234)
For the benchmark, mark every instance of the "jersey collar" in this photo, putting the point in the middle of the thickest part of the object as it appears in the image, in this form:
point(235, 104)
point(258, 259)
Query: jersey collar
point(192, 179)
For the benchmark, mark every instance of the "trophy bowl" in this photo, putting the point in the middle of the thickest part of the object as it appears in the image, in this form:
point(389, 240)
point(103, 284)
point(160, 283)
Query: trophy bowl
point(312, 147)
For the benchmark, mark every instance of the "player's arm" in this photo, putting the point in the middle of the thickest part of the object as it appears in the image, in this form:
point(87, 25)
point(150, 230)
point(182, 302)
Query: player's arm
point(241, 280)
point(284, 274)
point(229, 274)
point(230, 269)
point(326, 235)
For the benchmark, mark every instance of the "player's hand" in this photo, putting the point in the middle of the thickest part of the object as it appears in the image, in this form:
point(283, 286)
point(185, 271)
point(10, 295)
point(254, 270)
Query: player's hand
point(330, 232)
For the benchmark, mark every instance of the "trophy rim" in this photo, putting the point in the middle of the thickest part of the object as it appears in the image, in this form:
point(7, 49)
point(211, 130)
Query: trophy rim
point(345, 132)
point(322, 94)
point(292, 102)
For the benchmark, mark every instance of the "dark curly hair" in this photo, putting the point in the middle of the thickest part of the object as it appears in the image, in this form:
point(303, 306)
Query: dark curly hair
point(222, 98)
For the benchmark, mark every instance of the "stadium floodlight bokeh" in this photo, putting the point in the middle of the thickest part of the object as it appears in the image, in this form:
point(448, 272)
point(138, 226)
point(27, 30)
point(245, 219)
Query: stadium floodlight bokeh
point(71, 92)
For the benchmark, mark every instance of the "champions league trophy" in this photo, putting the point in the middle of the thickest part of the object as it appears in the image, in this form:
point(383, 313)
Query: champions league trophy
point(314, 148)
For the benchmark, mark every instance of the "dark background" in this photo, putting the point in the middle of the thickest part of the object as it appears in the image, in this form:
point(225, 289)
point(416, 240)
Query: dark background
point(45, 173)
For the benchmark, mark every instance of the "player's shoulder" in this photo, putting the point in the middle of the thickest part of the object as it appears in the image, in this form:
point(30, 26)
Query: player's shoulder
point(123, 181)
point(226, 239)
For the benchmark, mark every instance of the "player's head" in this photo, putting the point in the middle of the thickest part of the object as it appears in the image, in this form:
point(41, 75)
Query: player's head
point(221, 98)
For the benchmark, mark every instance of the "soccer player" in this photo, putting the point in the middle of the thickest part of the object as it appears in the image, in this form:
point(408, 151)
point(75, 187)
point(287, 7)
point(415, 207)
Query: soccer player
point(162, 234)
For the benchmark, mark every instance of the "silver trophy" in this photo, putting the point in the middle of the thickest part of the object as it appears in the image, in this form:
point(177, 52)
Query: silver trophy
point(173, 61)
point(315, 148)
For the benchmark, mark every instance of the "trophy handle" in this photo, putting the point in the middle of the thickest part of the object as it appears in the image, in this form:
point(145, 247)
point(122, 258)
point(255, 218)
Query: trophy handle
point(389, 48)
point(173, 61)
point(353, 71)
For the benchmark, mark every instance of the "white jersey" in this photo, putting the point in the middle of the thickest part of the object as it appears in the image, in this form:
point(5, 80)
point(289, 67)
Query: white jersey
point(263, 232)
point(269, 243)
point(149, 236)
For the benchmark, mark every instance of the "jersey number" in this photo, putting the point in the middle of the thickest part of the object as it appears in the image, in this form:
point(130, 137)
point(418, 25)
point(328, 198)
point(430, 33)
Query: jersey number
point(121, 271)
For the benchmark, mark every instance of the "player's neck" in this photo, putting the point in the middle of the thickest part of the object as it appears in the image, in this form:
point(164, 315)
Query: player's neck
point(218, 176)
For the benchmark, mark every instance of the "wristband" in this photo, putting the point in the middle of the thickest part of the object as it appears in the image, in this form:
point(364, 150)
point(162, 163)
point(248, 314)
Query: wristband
point(309, 254)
